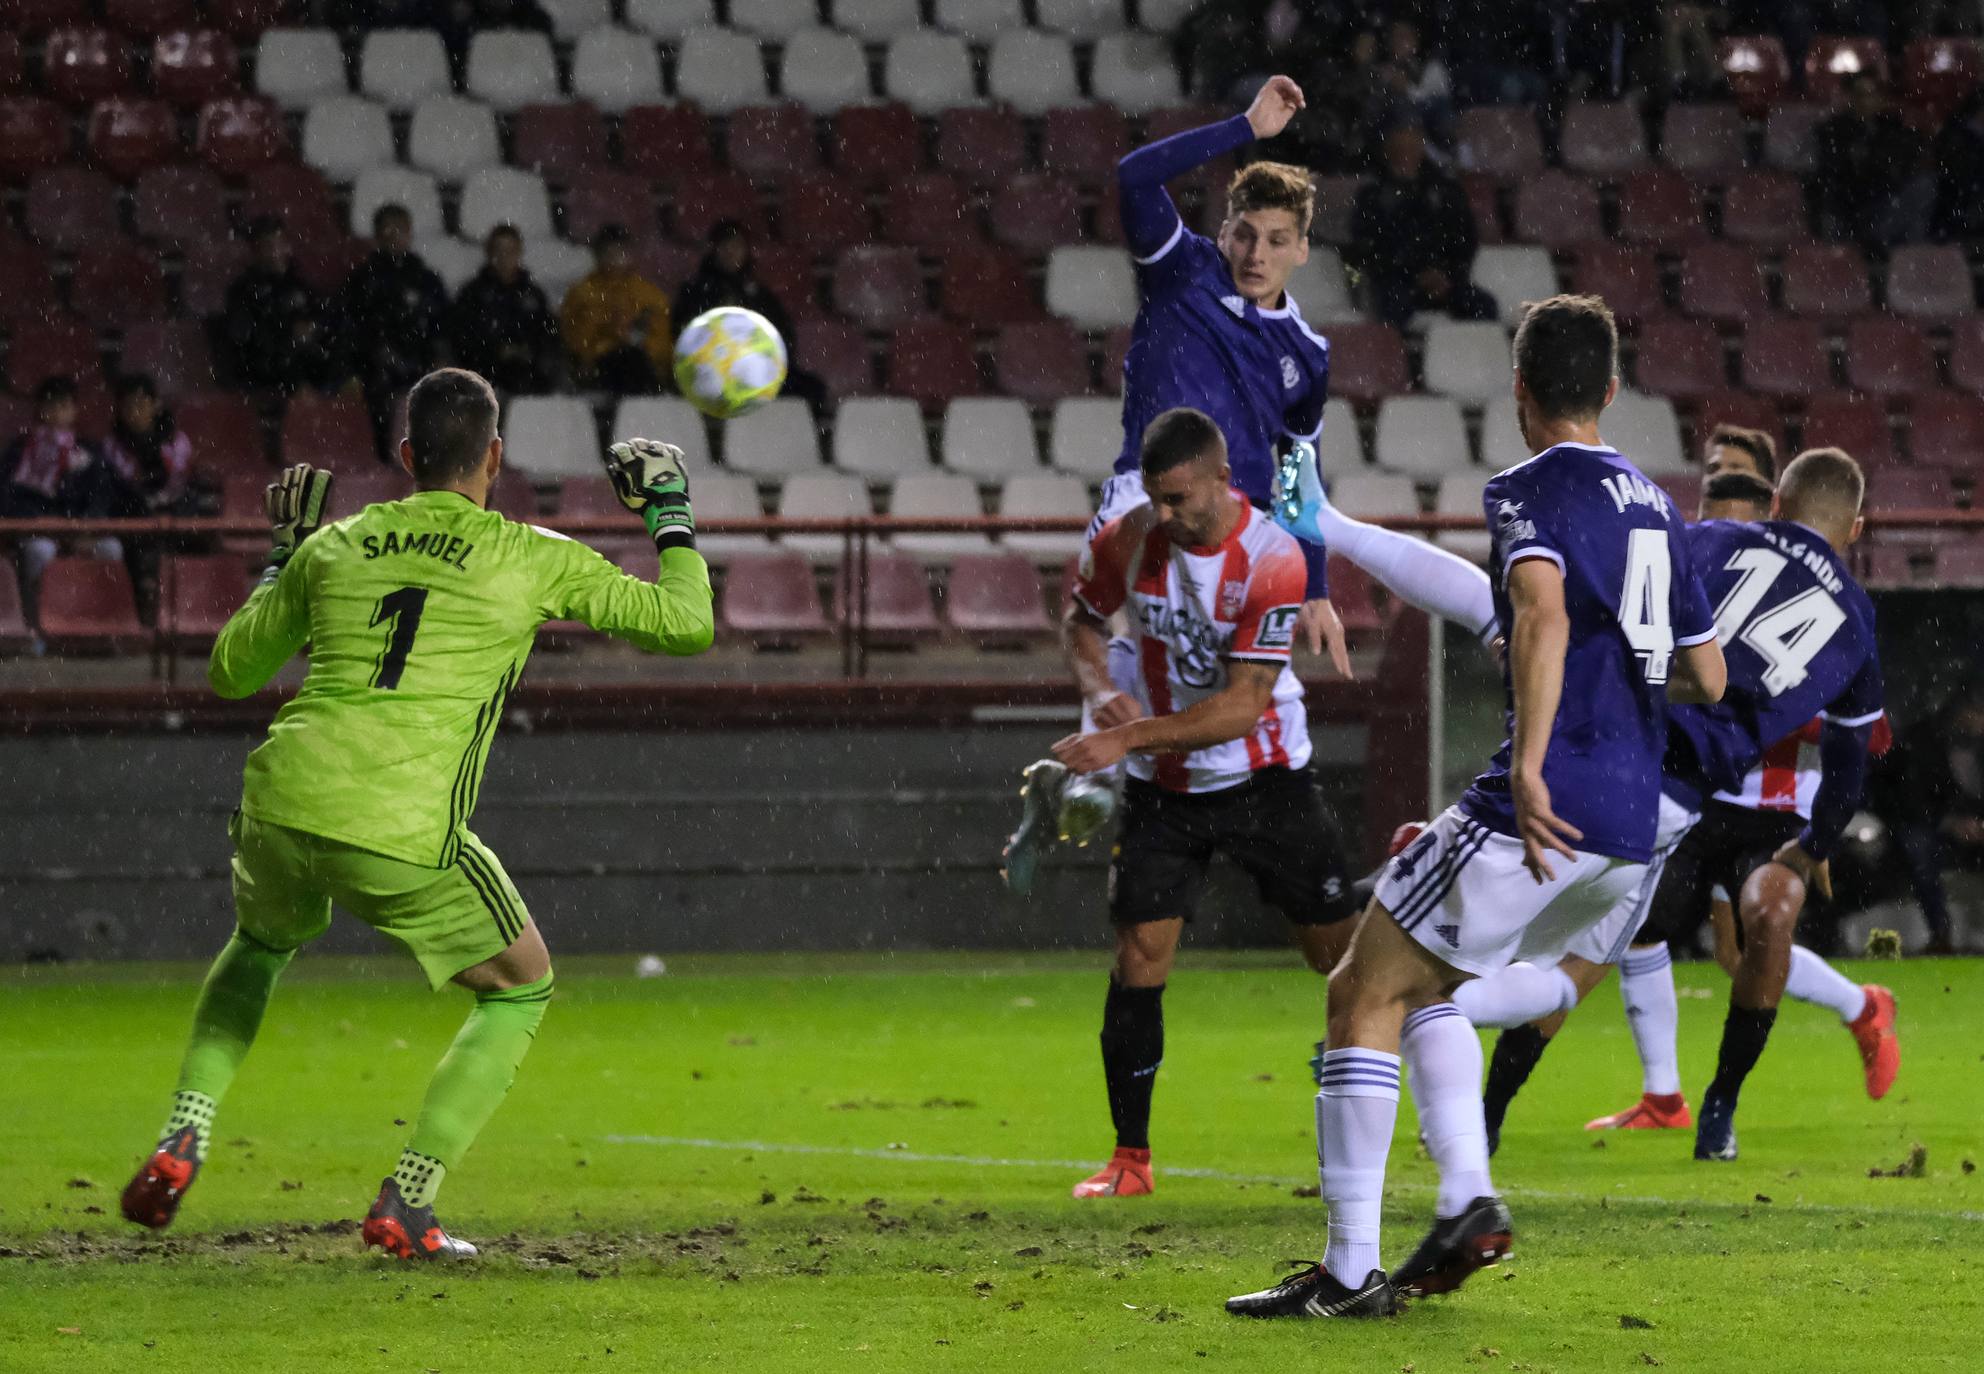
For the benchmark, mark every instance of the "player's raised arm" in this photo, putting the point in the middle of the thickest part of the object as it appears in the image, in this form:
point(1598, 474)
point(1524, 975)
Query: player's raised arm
point(1538, 639)
point(274, 622)
point(1150, 220)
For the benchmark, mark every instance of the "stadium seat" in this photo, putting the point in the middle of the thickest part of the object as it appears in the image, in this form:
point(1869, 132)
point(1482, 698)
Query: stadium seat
point(670, 19)
point(1484, 199)
point(511, 68)
point(1684, 489)
point(35, 18)
point(1960, 564)
point(1319, 289)
point(880, 436)
point(876, 143)
point(1703, 141)
point(558, 141)
point(453, 138)
point(668, 417)
point(1502, 445)
point(894, 605)
point(70, 209)
point(1511, 274)
point(822, 496)
point(34, 135)
point(1040, 363)
point(1657, 207)
point(1628, 279)
point(930, 361)
point(1032, 71)
point(721, 70)
point(1889, 358)
point(456, 262)
point(15, 635)
point(505, 195)
point(226, 435)
point(1830, 61)
point(615, 70)
point(297, 195)
point(876, 21)
point(129, 134)
point(50, 346)
point(325, 264)
point(1115, 354)
point(147, 18)
point(1939, 74)
point(1766, 209)
point(403, 67)
point(550, 436)
point(1085, 436)
point(1603, 139)
point(575, 18)
point(173, 353)
point(117, 285)
point(771, 599)
point(1499, 141)
point(777, 440)
point(1788, 143)
point(244, 19)
point(87, 606)
point(1336, 200)
point(1680, 359)
point(988, 438)
point(788, 274)
point(208, 268)
point(1367, 362)
point(1858, 424)
point(328, 432)
point(27, 286)
point(1468, 360)
point(929, 210)
point(416, 191)
point(823, 214)
point(1093, 287)
point(1930, 282)
point(1044, 495)
point(725, 496)
point(701, 201)
point(1459, 493)
point(239, 133)
point(1084, 143)
point(1724, 283)
point(1786, 358)
point(1826, 281)
point(1558, 211)
point(1645, 429)
point(345, 134)
point(837, 353)
point(878, 286)
point(928, 71)
point(198, 594)
point(983, 145)
point(1913, 489)
point(996, 598)
point(1134, 72)
point(191, 67)
point(1967, 354)
point(82, 66)
point(1422, 436)
point(772, 142)
point(773, 19)
point(980, 21)
point(937, 496)
point(298, 67)
point(1368, 495)
point(1340, 448)
point(1744, 408)
point(1946, 430)
point(824, 71)
point(1757, 71)
point(1034, 211)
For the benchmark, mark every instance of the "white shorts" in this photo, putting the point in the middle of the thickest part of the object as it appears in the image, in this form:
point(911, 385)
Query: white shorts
point(1606, 942)
point(1461, 890)
point(1122, 492)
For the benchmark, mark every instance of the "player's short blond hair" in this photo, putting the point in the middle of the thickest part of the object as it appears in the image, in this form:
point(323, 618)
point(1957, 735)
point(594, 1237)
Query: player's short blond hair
point(1272, 186)
point(1822, 482)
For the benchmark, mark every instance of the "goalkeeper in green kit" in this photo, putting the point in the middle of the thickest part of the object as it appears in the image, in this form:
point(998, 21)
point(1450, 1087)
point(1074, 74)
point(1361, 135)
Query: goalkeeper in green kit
point(420, 614)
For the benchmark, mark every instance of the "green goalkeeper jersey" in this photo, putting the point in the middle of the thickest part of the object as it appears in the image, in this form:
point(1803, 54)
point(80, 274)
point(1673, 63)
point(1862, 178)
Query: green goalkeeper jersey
point(420, 614)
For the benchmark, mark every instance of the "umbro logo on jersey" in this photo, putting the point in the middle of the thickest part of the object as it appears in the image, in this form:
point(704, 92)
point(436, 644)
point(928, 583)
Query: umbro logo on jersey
point(1237, 304)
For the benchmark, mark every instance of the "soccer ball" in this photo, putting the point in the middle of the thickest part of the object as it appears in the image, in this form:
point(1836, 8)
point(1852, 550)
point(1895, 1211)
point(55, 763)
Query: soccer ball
point(729, 360)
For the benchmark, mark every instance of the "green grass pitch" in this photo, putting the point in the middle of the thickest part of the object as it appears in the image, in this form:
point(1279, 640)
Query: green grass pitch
point(783, 1164)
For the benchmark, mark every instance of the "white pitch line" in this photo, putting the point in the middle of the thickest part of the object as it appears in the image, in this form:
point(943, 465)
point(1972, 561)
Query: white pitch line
point(1283, 1180)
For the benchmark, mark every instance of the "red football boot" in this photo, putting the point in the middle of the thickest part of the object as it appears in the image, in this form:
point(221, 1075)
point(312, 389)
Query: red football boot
point(1127, 1174)
point(1880, 1047)
point(1653, 1112)
point(409, 1232)
point(153, 1195)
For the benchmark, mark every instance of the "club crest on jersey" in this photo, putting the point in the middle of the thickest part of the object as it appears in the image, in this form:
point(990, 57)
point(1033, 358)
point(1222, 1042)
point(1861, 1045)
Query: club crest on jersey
point(1291, 375)
point(1232, 596)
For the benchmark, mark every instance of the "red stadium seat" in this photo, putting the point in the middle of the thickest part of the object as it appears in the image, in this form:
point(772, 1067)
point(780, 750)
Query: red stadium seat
point(57, 346)
point(13, 66)
point(1658, 208)
point(823, 214)
point(72, 208)
point(788, 272)
point(1084, 143)
point(1724, 283)
point(1603, 139)
point(771, 598)
point(1367, 362)
point(1336, 200)
point(1034, 212)
point(1764, 208)
point(1960, 563)
point(599, 196)
point(198, 594)
point(1744, 408)
point(931, 361)
point(1885, 565)
point(1350, 594)
point(659, 260)
point(1826, 281)
point(1938, 74)
point(930, 210)
point(1558, 211)
point(325, 262)
point(1115, 348)
point(27, 291)
point(877, 286)
point(14, 632)
point(899, 606)
point(1967, 354)
point(1889, 357)
point(245, 19)
point(1830, 61)
point(148, 18)
point(1703, 140)
point(1684, 489)
point(558, 141)
point(1786, 357)
point(194, 66)
point(1041, 363)
point(34, 135)
point(1484, 198)
point(83, 66)
point(1681, 359)
point(1176, 119)
point(1930, 282)
point(513, 497)
point(876, 143)
point(1628, 279)
point(116, 286)
point(226, 435)
point(31, 18)
point(87, 606)
point(663, 142)
point(986, 287)
point(238, 133)
point(995, 598)
point(173, 353)
point(1914, 489)
point(327, 432)
point(982, 144)
point(128, 135)
point(1499, 141)
point(295, 194)
point(837, 353)
point(772, 142)
point(1788, 143)
point(210, 266)
point(700, 201)
point(1858, 424)
point(1946, 430)
point(1758, 72)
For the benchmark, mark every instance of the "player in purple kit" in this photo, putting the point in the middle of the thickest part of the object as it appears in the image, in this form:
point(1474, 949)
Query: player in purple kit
point(1606, 623)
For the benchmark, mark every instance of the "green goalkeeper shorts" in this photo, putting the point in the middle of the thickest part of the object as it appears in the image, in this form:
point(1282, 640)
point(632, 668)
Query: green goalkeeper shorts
point(449, 919)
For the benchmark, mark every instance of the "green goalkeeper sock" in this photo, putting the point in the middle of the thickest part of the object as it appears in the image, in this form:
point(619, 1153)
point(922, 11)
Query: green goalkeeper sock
point(225, 1021)
point(470, 1083)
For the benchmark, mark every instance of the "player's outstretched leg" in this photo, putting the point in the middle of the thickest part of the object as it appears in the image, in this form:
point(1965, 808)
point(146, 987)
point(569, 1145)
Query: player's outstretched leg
point(1646, 985)
point(1471, 1228)
point(1867, 1011)
point(225, 1021)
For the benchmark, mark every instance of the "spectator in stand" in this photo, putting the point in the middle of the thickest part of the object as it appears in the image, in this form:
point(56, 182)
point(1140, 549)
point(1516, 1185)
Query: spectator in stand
point(1959, 159)
point(1939, 809)
point(1417, 84)
point(1413, 236)
point(615, 322)
point(1873, 183)
point(1501, 51)
point(727, 276)
point(49, 472)
point(273, 325)
point(147, 470)
point(390, 313)
point(501, 324)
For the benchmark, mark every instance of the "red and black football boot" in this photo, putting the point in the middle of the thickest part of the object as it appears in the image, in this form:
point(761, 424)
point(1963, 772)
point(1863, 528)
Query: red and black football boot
point(153, 1195)
point(409, 1232)
point(1456, 1247)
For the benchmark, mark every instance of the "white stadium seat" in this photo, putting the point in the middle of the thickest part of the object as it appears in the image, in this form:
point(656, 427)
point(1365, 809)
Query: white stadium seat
point(452, 137)
point(774, 19)
point(1034, 72)
point(929, 71)
point(403, 67)
point(880, 436)
point(345, 134)
point(1081, 18)
point(1467, 359)
point(824, 70)
point(1514, 273)
point(1368, 495)
point(876, 21)
point(1460, 494)
point(1319, 288)
point(1038, 495)
point(1341, 449)
point(720, 70)
point(1086, 436)
point(980, 20)
point(1162, 16)
point(512, 68)
point(822, 496)
point(551, 436)
point(555, 264)
point(727, 496)
point(670, 19)
point(938, 496)
point(454, 260)
point(778, 439)
point(572, 18)
point(1645, 430)
point(1093, 286)
point(616, 69)
point(1502, 446)
point(298, 67)
point(989, 438)
point(1422, 435)
point(1135, 72)
point(505, 195)
point(378, 186)
point(672, 420)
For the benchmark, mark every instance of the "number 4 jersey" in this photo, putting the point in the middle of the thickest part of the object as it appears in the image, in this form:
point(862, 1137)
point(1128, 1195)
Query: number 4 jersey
point(420, 614)
point(1632, 599)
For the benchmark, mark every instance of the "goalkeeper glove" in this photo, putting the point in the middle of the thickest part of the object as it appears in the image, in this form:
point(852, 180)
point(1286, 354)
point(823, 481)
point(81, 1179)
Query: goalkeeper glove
point(649, 479)
point(295, 503)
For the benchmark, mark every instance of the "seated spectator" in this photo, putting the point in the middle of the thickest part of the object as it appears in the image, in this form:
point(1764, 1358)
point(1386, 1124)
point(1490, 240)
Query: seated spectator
point(1417, 84)
point(50, 472)
point(615, 322)
point(1412, 234)
point(1873, 182)
point(147, 470)
point(273, 324)
point(390, 313)
point(727, 276)
point(1939, 809)
point(501, 324)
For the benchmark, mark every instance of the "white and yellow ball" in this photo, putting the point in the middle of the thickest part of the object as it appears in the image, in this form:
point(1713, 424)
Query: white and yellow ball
point(729, 360)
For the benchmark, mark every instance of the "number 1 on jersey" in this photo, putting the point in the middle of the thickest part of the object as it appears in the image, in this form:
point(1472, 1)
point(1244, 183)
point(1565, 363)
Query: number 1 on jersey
point(402, 609)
